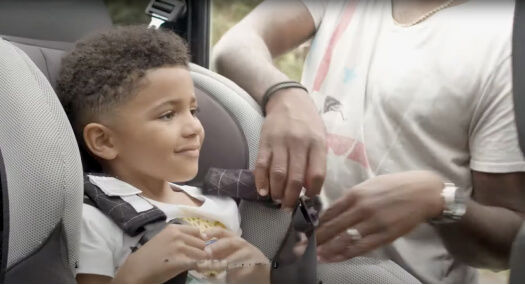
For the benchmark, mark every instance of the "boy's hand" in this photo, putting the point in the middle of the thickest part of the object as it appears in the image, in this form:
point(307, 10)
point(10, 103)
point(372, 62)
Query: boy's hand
point(175, 249)
point(245, 262)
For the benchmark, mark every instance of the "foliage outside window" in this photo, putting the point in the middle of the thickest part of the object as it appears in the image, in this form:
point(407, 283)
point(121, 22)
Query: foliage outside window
point(225, 14)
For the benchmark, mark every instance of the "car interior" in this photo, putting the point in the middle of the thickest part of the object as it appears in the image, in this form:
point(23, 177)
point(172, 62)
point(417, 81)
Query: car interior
point(41, 170)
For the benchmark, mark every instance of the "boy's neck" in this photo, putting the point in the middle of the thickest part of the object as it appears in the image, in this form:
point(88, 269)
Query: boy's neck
point(153, 188)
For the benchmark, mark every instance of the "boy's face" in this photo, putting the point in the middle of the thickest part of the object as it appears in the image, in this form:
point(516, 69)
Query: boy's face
point(156, 133)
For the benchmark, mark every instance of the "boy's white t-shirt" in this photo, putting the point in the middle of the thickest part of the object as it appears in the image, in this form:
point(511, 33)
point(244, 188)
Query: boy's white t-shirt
point(104, 246)
point(434, 96)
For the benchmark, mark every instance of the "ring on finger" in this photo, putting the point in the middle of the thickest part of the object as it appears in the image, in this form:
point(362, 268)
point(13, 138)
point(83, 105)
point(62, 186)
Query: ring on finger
point(354, 234)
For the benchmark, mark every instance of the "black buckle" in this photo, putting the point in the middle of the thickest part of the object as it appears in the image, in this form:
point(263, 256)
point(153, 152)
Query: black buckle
point(310, 207)
point(296, 259)
point(162, 11)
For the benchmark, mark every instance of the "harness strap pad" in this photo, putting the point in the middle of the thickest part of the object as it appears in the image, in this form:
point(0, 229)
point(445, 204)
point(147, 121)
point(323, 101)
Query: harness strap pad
point(120, 211)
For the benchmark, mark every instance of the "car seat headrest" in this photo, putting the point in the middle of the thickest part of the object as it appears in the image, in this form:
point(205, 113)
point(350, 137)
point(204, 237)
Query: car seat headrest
point(43, 175)
point(53, 20)
point(47, 59)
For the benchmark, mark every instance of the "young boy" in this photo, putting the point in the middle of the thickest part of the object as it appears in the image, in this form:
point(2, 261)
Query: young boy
point(131, 101)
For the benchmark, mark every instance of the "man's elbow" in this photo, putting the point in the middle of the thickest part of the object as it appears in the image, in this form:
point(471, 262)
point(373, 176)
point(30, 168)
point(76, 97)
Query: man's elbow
point(227, 49)
point(219, 56)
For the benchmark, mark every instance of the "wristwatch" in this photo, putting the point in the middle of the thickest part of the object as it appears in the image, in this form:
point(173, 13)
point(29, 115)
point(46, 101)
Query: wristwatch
point(455, 207)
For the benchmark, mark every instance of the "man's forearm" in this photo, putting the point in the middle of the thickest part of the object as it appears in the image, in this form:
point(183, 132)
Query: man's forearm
point(244, 58)
point(484, 236)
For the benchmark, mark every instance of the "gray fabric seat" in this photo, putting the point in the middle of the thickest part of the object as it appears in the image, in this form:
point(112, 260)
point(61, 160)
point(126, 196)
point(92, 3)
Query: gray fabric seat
point(41, 176)
point(232, 121)
point(517, 260)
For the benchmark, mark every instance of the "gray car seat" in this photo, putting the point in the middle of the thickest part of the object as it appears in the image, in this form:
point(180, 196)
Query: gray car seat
point(232, 120)
point(41, 176)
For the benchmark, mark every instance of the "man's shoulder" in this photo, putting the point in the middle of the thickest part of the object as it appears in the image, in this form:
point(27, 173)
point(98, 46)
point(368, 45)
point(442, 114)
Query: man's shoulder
point(489, 23)
point(480, 32)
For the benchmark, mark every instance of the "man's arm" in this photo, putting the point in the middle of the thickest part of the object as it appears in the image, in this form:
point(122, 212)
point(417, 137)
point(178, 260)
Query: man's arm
point(292, 146)
point(93, 279)
point(484, 236)
point(244, 54)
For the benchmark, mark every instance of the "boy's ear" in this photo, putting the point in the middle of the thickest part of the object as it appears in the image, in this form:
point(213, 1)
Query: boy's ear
point(99, 141)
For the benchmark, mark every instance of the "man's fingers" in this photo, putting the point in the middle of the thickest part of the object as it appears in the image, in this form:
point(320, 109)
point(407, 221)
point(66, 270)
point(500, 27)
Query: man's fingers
point(347, 249)
point(296, 170)
point(333, 247)
point(316, 171)
point(261, 171)
point(371, 234)
point(278, 172)
point(360, 230)
point(334, 227)
point(342, 204)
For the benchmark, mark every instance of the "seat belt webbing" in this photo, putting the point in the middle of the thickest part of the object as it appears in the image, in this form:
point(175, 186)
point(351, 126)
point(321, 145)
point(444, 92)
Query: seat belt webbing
point(518, 70)
point(517, 261)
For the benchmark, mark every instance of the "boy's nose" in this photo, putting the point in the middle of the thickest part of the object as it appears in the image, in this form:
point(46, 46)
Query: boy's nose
point(192, 127)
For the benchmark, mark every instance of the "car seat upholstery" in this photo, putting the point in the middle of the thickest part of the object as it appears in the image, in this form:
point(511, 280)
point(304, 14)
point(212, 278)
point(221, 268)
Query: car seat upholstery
point(517, 260)
point(41, 178)
point(58, 21)
point(46, 58)
point(232, 121)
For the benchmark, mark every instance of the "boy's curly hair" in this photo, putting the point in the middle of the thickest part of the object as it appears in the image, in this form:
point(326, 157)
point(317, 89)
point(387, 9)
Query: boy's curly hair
point(105, 69)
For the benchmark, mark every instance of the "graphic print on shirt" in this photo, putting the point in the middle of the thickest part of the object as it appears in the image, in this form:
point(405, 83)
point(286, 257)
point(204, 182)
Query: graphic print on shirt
point(332, 108)
point(348, 75)
point(331, 104)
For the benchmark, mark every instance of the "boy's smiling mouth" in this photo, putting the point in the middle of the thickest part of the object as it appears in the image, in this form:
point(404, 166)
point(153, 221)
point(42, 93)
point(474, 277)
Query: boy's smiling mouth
point(190, 150)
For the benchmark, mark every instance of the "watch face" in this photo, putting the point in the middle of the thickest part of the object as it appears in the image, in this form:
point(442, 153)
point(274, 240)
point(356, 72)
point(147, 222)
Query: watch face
point(458, 210)
point(455, 207)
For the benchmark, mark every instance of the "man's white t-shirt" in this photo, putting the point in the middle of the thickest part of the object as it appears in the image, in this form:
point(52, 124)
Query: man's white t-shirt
point(104, 246)
point(434, 96)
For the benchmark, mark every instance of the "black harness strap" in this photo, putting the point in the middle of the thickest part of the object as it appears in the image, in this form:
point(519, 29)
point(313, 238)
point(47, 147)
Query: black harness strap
point(149, 222)
point(518, 69)
point(4, 219)
point(290, 265)
point(127, 218)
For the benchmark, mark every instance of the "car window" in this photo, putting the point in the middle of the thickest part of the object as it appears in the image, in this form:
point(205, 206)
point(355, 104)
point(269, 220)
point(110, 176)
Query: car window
point(226, 13)
point(127, 12)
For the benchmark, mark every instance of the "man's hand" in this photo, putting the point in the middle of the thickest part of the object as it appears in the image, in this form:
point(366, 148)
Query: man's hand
point(292, 151)
point(381, 210)
point(245, 262)
point(174, 250)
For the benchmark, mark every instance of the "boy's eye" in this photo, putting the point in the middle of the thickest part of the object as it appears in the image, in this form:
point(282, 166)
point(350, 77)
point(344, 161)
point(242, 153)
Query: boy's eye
point(195, 111)
point(167, 116)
